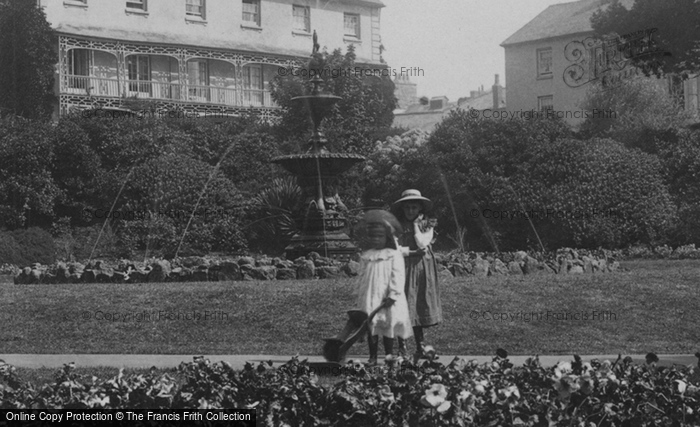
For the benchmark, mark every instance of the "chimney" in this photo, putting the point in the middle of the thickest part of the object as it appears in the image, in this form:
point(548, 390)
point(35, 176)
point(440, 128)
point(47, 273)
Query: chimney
point(438, 102)
point(497, 91)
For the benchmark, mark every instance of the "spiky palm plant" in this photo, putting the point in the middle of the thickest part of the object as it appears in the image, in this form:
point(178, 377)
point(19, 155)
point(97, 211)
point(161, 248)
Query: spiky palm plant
point(278, 208)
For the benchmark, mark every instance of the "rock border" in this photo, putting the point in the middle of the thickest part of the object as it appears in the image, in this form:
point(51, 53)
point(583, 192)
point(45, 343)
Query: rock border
point(313, 266)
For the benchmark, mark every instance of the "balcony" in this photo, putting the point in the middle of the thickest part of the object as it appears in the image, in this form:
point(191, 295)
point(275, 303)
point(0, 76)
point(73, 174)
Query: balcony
point(156, 90)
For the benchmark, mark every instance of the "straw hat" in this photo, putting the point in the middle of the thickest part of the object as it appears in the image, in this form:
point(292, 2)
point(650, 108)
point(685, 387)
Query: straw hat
point(414, 196)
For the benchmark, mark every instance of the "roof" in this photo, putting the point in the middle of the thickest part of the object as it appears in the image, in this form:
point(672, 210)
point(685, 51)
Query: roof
point(183, 39)
point(423, 109)
point(484, 101)
point(375, 3)
point(561, 20)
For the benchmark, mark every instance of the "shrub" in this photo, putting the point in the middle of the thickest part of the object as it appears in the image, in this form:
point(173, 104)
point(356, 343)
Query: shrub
point(26, 246)
point(624, 187)
point(461, 393)
point(10, 251)
point(28, 192)
point(173, 194)
point(679, 153)
point(642, 109)
point(77, 171)
point(155, 235)
point(471, 164)
point(383, 173)
point(248, 163)
point(581, 193)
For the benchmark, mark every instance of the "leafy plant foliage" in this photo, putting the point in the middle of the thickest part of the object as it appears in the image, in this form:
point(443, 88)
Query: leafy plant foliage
point(462, 393)
point(27, 59)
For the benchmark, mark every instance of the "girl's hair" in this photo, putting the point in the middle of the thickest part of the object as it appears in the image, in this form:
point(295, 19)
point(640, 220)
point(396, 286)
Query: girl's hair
point(390, 241)
point(378, 218)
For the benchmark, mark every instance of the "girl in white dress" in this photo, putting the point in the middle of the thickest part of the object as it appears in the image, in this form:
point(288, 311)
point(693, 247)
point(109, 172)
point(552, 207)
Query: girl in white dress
point(382, 281)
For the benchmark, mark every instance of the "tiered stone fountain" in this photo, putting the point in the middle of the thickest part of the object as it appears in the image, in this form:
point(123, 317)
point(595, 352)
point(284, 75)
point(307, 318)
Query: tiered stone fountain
point(316, 171)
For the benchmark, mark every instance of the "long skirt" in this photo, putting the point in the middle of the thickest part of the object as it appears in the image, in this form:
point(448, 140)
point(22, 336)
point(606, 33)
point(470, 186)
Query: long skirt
point(422, 290)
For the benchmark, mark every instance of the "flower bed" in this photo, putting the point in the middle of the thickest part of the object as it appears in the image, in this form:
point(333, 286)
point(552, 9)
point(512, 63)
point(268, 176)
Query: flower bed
point(599, 393)
point(198, 269)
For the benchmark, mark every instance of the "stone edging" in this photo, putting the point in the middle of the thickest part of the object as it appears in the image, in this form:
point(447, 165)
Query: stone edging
point(205, 269)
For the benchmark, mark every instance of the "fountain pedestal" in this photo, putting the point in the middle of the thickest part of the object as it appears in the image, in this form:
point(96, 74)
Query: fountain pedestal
point(323, 226)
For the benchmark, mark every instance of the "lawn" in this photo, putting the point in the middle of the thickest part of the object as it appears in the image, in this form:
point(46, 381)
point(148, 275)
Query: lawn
point(652, 307)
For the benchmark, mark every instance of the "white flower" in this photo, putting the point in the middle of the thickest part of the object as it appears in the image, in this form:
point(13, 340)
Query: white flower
point(510, 391)
point(444, 406)
point(562, 368)
point(429, 352)
point(463, 396)
point(480, 387)
point(435, 396)
point(385, 394)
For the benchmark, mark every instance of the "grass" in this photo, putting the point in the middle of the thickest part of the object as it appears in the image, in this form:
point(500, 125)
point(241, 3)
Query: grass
point(654, 306)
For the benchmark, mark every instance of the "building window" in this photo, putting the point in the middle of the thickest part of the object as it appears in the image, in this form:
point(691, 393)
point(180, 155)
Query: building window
point(544, 63)
point(352, 25)
point(136, 4)
point(79, 64)
point(252, 85)
point(545, 103)
point(251, 11)
point(195, 8)
point(198, 80)
point(139, 69)
point(302, 18)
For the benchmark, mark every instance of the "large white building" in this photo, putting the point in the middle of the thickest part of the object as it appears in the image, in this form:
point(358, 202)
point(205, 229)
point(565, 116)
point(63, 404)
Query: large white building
point(201, 56)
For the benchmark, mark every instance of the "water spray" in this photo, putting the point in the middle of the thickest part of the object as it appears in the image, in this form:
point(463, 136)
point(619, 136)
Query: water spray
point(110, 212)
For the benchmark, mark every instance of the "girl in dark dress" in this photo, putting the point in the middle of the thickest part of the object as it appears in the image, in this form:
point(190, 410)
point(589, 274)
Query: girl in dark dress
point(415, 242)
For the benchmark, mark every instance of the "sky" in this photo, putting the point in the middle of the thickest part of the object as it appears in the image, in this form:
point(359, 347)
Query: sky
point(455, 43)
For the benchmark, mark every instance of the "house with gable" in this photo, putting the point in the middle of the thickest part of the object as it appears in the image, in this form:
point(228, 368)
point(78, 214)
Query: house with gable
point(553, 59)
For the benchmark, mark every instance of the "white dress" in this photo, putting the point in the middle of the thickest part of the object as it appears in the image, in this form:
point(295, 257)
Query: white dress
point(383, 275)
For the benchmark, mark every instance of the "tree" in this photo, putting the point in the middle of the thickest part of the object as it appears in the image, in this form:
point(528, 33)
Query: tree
point(27, 59)
point(672, 27)
point(160, 197)
point(367, 102)
point(484, 175)
point(635, 112)
point(28, 192)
